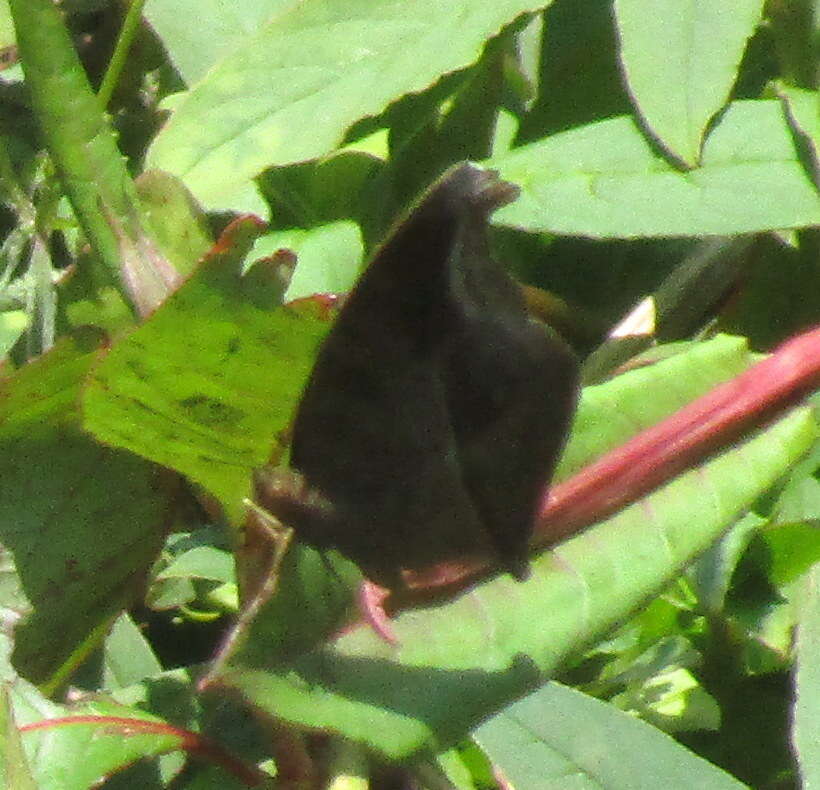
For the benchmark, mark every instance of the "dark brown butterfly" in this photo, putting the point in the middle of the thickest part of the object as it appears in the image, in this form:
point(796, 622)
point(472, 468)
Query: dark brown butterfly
point(436, 410)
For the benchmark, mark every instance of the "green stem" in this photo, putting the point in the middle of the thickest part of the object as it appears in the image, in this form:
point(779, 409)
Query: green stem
point(16, 194)
point(130, 26)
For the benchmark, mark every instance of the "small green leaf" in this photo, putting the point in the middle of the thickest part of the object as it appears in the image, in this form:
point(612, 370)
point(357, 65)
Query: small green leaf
point(127, 655)
point(15, 773)
point(712, 573)
point(328, 257)
point(12, 324)
point(201, 562)
point(177, 223)
point(673, 701)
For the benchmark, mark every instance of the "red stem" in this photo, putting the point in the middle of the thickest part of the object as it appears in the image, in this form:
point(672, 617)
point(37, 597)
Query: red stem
point(683, 440)
point(657, 454)
point(190, 742)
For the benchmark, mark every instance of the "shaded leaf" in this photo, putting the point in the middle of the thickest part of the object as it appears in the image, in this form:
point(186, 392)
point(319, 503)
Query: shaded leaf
point(578, 80)
point(64, 491)
point(801, 107)
point(712, 573)
point(460, 662)
point(792, 550)
point(127, 655)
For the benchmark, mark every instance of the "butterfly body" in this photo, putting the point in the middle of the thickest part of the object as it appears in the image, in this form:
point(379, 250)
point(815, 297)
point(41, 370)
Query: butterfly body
point(436, 409)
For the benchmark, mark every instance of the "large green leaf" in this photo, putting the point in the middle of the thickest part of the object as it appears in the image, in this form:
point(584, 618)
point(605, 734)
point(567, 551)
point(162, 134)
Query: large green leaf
point(289, 93)
point(462, 661)
point(559, 738)
point(680, 61)
point(205, 384)
point(81, 521)
point(604, 180)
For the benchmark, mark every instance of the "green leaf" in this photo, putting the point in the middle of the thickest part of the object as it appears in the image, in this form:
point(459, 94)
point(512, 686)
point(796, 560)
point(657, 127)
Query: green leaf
point(206, 384)
point(578, 77)
point(177, 223)
point(673, 701)
point(460, 662)
point(680, 62)
point(712, 573)
point(801, 106)
point(325, 191)
point(328, 257)
point(604, 180)
point(15, 773)
point(220, 28)
point(792, 550)
point(201, 562)
point(65, 491)
point(308, 75)
point(127, 656)
point(608, 414)
point(12, 324)
point(560, 738)
point(807, 682)
point(109, 737)
point(6, 25)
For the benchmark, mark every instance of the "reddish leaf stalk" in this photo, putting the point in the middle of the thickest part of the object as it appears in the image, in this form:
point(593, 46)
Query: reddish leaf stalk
point(684, 439)
point(190, 742)
point(654, 456)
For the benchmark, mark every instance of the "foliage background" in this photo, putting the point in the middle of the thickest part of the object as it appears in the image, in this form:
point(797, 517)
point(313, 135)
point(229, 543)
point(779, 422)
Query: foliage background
point(664, 152)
